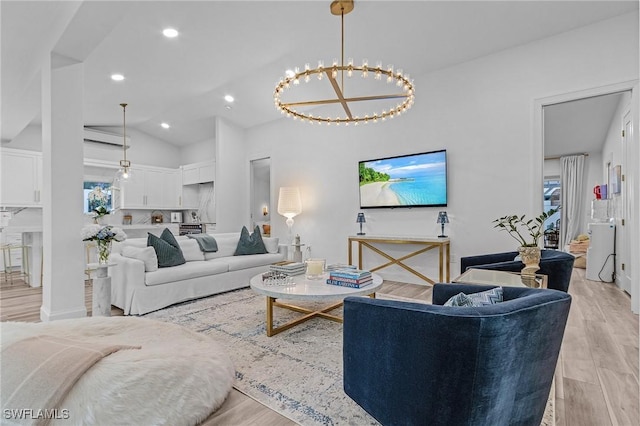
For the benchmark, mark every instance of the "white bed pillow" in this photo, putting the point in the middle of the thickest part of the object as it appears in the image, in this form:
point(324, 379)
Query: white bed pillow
point(271, 244)
point(190, 250)
point(145, 254)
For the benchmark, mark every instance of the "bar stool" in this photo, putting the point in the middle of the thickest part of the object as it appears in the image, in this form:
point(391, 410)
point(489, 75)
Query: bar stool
point(90, 252)
point(8, 267)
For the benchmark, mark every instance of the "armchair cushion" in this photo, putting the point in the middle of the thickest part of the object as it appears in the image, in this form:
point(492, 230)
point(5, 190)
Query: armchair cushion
point(414, 363)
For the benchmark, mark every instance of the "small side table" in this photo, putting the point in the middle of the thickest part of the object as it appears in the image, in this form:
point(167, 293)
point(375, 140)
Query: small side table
point(101, 299)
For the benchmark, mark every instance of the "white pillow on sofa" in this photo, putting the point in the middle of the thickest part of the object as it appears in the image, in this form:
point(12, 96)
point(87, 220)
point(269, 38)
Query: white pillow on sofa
point(227, 245)
point(145, 254)
point(190, 250)
point(271, 244)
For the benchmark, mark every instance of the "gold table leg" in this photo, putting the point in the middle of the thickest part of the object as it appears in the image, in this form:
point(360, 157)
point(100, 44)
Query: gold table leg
point(309, 314)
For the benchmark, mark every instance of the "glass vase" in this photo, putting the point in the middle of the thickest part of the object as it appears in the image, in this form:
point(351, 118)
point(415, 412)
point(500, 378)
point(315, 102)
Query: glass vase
point(103, 250)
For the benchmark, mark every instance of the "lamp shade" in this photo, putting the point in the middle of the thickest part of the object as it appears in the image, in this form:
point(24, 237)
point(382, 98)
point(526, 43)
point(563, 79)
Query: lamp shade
point(289, 202)
point(442, 217)
point(360, 218)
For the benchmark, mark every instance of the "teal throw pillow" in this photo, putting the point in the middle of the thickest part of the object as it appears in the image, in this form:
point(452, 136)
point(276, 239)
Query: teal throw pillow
point(483, 298)
point(250, 244)
point(167, 249)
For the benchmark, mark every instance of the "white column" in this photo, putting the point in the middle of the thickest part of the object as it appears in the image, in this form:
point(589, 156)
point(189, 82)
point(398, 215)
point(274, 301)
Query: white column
point(62, 217)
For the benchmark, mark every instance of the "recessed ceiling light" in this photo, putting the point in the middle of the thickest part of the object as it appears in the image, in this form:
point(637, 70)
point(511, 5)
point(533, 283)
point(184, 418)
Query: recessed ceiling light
point(117, 77)
point(170, 32)
point(227, 107)
point(289, 73)
point(165, 125)
point(228, 98)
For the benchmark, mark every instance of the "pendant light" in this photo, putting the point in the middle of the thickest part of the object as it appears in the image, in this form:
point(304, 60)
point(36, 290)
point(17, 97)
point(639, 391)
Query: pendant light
point(124, 173)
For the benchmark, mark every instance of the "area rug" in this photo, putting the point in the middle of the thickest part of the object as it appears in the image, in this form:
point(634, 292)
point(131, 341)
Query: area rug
point(297, 373)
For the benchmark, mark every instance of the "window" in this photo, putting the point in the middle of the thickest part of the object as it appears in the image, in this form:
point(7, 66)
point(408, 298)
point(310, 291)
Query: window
point(96, 194)
point(551, 193)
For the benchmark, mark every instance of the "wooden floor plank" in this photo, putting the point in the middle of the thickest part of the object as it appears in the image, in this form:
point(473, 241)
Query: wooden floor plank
point(584, 404)
point(617, 388)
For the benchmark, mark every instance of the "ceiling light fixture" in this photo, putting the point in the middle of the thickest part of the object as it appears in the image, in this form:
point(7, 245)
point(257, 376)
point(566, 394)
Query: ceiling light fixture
point(170, 32)
point(228, 98)
point(165, 125)
point(124, 173)
point(117, 77)
point(402, 81)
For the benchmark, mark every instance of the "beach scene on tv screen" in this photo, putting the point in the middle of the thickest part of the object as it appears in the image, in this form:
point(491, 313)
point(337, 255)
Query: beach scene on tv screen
point(413, 180)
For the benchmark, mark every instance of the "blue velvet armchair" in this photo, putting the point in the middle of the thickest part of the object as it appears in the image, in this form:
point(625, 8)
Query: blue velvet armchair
point(556, 265)
point(418, 364)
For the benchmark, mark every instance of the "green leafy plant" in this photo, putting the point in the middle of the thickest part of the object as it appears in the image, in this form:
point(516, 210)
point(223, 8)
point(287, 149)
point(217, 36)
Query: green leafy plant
point(520, 228)
point(100, 211)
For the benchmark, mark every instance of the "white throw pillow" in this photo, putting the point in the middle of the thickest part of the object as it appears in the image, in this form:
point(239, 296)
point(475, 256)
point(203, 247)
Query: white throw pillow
point(226, 246)
point(191, 250)
point(271, 244)
point(146, 255)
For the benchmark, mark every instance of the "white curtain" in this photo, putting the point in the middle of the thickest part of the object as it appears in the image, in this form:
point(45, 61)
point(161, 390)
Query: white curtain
point(572, 184)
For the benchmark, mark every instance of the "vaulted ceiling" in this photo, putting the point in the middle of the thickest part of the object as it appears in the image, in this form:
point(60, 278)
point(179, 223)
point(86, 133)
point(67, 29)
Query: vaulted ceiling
point(243, 48)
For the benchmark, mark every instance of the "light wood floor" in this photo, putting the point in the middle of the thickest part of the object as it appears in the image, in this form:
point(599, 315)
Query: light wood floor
point(596, 377)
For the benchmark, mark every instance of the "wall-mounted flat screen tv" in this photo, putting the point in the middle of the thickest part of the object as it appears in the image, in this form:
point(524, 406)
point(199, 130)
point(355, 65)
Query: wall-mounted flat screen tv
point(415, 180)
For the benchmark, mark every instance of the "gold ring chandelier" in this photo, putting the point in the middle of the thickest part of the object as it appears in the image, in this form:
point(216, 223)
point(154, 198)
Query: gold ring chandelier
point(391, 76)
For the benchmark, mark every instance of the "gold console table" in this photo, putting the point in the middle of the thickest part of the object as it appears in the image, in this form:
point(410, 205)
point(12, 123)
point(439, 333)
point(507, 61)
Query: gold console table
point(426, 244)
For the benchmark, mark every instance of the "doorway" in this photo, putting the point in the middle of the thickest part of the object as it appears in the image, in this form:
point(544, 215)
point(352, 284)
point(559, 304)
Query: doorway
point(620, 154)
point(260, 205)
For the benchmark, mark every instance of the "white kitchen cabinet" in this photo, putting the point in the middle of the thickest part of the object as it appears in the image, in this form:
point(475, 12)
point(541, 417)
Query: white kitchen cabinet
point(21, 178)
point(151, 188)
point(198, 172)
point(173, 187)
point(132, 191)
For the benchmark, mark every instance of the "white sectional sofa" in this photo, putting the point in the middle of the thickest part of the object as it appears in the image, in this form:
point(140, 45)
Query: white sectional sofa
point(138, 291)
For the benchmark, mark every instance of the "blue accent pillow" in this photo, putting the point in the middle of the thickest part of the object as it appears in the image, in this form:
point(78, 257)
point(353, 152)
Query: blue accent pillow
point(483, 298)
point(250, 244)
point(167, 249)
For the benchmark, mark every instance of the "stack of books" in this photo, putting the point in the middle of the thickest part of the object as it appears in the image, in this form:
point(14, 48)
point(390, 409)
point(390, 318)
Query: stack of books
point(350, 277)
point(336, 266)
point(288, 268)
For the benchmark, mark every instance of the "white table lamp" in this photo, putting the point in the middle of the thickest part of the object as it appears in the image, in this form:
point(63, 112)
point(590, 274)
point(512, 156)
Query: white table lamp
point(289, 204)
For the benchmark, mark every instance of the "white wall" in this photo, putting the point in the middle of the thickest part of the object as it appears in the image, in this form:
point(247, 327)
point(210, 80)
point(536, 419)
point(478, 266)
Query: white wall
point(480, 111)
point(612, 151)
point(144, 149)
point(552, 168)
point(593, 177)
point(197, 152)
point(232, 178)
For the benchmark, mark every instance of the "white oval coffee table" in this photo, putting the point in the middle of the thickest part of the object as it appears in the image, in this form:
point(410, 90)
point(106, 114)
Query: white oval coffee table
point(310, 291)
